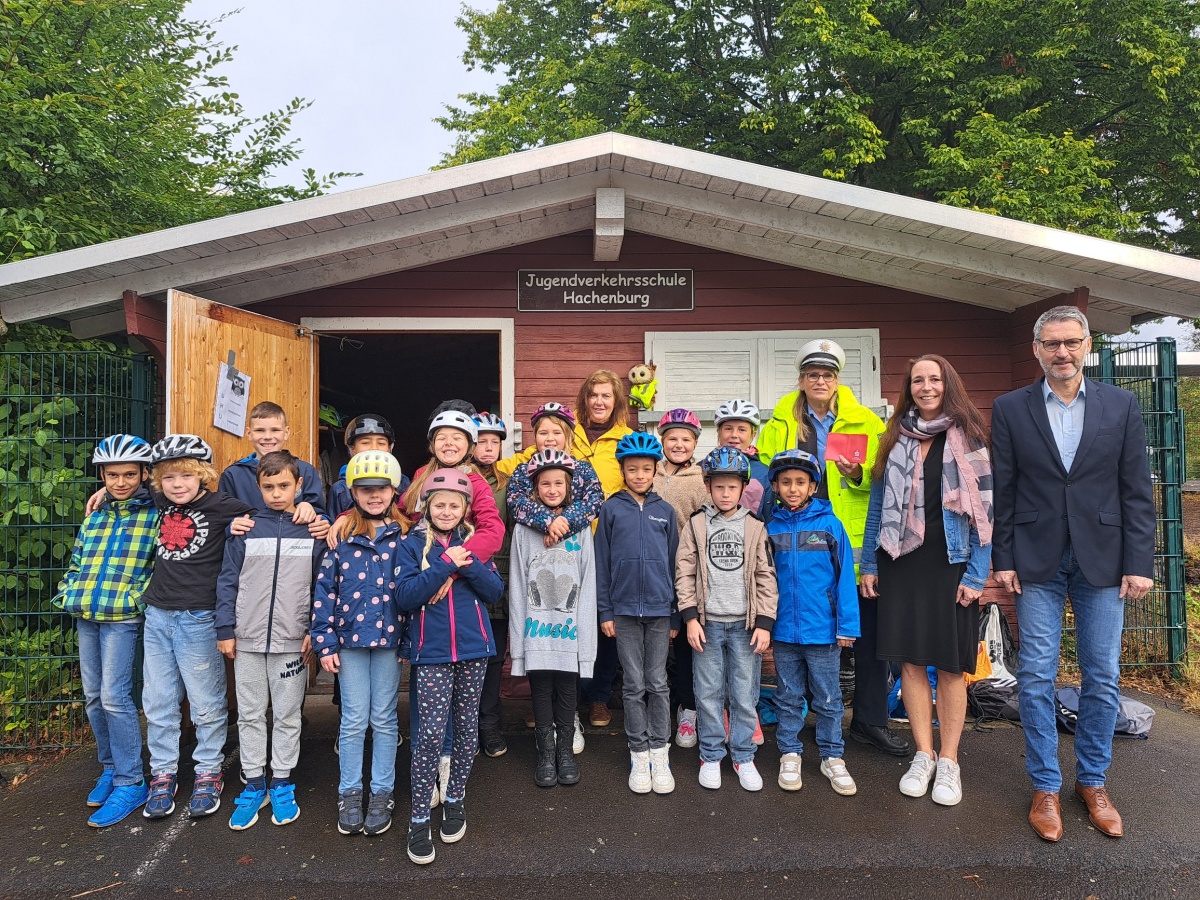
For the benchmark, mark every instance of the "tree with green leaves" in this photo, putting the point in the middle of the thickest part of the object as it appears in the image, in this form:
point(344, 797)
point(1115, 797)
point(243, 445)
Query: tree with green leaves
point(114, 121)
point(1079, 114)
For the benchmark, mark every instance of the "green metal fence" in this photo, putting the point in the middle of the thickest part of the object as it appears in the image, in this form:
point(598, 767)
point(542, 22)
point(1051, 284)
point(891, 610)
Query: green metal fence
point(1156, 627)
point(54, 407)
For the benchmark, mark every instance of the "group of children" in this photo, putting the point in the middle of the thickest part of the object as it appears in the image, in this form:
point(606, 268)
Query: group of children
point(268, 572)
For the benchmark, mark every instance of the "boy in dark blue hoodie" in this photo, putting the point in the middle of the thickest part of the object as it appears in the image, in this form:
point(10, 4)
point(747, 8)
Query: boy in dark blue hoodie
point(267, 430)
point(636, 540)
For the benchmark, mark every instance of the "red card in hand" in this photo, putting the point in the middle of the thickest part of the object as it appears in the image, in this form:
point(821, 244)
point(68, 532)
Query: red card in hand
point(851, 446)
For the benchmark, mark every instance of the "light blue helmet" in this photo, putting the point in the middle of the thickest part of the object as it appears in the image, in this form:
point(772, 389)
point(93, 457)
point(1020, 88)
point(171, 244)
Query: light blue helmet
point(639, 443)
point(122, 448)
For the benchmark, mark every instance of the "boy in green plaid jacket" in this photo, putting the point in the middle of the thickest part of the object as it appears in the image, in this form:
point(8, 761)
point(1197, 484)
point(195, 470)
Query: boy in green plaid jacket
point(109, 571)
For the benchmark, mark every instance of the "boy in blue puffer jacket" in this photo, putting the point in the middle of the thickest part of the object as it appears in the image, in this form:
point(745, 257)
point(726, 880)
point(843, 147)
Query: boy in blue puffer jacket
point(817, 616)
point(637, 537)
point(449, 641)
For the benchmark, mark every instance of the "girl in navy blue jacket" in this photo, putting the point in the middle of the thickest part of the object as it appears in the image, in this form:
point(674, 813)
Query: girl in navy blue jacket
point(448, 641)
point(356, 630)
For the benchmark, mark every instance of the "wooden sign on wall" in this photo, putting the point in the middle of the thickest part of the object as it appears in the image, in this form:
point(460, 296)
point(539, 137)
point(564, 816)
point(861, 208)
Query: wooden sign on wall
point(605, 290)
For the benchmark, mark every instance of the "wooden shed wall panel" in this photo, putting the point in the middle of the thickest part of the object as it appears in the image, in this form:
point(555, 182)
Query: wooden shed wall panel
point(555, 351)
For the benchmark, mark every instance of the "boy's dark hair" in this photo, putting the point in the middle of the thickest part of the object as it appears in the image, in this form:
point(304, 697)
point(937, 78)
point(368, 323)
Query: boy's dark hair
point(276, 463)
point(267, 410)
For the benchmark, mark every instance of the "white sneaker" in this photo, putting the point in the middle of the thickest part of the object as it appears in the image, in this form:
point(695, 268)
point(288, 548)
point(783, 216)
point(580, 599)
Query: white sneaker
point(789, 772)
point(947, 786)
point(835, 770)
point(920, 772)
point(443, 776)
point(577, 743)
point(748, 776)
point(660, 770)
point(685, 735)
point(710, 775)
point(640, 781)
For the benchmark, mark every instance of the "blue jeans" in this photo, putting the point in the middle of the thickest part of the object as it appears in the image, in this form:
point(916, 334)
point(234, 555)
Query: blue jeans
point(814, 667)
point(727, 668)
point(642, 645)
point(181, 656)
point(1099, 617)
point(370, 688)
point(106, 651)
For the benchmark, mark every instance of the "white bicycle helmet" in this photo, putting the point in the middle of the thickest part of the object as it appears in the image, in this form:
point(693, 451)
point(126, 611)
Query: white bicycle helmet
point(181, 446)
point(123, 448)
point(490, 423)
point(737, 411)
point(453, 418)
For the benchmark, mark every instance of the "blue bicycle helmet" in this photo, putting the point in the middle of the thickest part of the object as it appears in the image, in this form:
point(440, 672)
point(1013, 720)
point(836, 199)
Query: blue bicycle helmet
point(726, 461)
point(122, 448)
point(639, 443)
point(795, 459)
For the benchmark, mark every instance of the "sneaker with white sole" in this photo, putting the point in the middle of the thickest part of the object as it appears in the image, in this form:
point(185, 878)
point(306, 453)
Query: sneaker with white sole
point(661, 779)
point(748, 776)
point(685, 734)
point(947, 785)
point(789, 772)
point(640, 781)
point(920, 772)
point(835, 770)
point(710, 775)
point(577, 743)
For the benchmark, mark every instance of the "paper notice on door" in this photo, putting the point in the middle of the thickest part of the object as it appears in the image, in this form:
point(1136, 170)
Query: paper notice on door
point(233, 401)
point(851, 446)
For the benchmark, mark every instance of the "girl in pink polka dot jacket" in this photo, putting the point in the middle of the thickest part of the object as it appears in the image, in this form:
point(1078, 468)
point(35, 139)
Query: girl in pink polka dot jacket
point(356, 632)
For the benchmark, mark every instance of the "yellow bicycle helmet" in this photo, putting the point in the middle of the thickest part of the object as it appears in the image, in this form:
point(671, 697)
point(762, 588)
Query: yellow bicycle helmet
point(373, 468)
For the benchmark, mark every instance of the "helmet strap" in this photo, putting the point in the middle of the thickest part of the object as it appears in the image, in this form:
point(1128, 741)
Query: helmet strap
point(370, 517)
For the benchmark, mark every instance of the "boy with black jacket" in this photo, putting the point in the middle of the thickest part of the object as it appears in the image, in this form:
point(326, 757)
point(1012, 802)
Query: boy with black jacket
point(636, 540)
point(264, 606)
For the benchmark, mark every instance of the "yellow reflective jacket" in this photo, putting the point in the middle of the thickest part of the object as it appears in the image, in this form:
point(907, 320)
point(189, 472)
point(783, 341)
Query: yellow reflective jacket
point(849, 500)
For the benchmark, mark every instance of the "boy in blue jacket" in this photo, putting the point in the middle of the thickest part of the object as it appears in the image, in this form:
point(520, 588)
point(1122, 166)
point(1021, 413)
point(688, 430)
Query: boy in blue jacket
point(264, 606)
point(267, 430)
point(636, 540)
point(817, 616)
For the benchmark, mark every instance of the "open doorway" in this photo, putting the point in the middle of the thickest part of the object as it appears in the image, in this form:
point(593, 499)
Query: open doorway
point(402, 376)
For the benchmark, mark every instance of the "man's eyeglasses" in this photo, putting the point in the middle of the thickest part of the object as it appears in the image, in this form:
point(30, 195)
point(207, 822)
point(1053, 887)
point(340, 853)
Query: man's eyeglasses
point(1072, 344)
point(820, 376)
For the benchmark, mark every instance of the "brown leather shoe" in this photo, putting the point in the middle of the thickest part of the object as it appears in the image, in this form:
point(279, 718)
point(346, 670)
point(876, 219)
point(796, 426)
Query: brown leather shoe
point(1101, 810)
point(598, 715)
point(1045, 816)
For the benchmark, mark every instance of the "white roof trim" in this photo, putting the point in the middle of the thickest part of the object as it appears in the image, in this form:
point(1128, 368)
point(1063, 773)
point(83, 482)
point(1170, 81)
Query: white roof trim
point(711, 201)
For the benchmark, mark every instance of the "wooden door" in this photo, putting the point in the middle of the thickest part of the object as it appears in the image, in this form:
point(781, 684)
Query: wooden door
point(280, 358)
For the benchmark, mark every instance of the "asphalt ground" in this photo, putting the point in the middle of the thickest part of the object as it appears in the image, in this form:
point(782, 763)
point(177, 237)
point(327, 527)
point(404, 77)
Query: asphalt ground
point(598, 840)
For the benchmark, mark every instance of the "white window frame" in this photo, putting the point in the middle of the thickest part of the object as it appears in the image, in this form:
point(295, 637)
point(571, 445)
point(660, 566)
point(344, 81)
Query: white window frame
point(758, 343)
point(504, 327)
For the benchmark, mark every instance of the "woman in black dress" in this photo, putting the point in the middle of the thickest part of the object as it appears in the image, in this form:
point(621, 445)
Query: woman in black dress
point(926, 554)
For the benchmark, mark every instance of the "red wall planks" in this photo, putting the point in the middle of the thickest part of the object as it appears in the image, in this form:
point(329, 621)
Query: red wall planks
point(556, 351)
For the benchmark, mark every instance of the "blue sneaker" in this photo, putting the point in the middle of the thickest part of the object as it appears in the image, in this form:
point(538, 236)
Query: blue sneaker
point(120, 803)
point(249, 802)
point(283, 803)
point(161, 802)
point(104, 787)
point(206, 795)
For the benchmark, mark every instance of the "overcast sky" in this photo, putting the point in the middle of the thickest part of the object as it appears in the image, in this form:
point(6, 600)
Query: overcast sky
point(379, 71)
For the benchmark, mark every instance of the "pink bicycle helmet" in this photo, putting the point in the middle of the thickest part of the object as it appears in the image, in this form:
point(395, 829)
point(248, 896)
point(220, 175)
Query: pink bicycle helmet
point(545, 460)
point(679, 418)
point(558, 410)
point(447, 480)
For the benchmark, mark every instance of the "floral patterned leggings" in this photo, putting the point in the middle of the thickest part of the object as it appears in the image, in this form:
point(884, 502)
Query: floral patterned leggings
point(445, 689)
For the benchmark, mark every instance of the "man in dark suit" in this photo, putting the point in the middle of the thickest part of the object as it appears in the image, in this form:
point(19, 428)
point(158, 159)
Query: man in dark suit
point(1074, 517)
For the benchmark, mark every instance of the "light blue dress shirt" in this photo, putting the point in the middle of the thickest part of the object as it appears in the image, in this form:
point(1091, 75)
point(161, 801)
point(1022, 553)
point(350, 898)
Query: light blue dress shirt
point(821, 427)
point(1066, 422)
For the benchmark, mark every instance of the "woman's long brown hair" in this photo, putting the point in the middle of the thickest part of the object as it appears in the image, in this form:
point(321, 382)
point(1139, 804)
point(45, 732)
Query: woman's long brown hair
point(620, 413)
point(955, 403)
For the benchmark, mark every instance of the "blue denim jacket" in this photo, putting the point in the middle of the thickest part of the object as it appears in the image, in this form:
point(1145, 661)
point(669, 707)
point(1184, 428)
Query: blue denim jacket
point(962, 542)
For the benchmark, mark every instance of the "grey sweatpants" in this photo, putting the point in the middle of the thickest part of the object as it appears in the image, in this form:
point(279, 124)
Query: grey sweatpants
point(282, 679)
